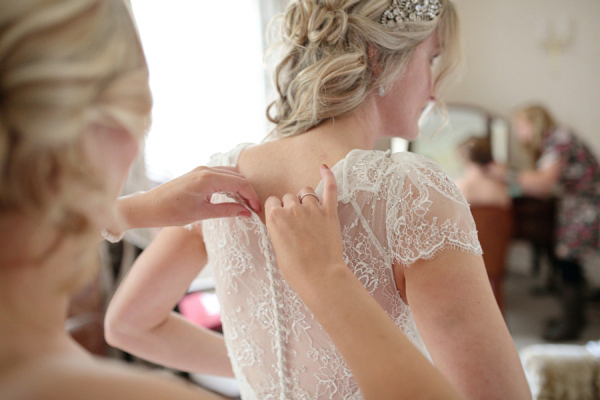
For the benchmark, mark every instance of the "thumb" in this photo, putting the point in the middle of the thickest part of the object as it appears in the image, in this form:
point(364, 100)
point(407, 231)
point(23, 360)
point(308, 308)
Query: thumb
point(330, 193)
point(224, 210)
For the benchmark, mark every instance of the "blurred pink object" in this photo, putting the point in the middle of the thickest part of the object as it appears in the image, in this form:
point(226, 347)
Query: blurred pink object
point(202, 308)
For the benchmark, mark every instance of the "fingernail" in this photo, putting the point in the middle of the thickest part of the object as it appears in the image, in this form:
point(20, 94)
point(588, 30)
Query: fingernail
point(324, 166)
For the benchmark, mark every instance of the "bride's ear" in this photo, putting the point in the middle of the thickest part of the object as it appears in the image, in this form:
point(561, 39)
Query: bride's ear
point(375, 67)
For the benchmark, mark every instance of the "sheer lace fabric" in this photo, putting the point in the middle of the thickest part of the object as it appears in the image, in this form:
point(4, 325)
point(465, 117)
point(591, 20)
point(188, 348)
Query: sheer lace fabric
point(392, 208)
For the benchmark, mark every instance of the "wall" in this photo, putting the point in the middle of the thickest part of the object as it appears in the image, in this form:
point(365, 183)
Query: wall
point(506, 67)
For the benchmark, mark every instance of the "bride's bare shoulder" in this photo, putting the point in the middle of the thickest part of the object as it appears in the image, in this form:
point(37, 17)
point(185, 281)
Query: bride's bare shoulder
point(74, 378)
point(256, 151)
point(263, 159)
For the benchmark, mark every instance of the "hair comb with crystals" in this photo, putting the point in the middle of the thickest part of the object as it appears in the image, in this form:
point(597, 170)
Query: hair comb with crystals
point(411, 11)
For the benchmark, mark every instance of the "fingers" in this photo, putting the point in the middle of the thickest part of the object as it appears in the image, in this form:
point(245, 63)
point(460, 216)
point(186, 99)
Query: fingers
point(272, 206)
point(272, 203)
point(307, 196)
point(289, 200)
point(225, 210)
point(229, 169)
point(226, 180)
point(330, 193)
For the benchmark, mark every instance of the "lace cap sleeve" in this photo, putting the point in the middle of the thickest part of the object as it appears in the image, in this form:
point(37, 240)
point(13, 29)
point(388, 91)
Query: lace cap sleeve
point(425, 211)
point(228, 158)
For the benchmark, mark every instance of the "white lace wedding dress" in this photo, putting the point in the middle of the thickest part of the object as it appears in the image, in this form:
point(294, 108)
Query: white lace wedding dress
point(399, 207)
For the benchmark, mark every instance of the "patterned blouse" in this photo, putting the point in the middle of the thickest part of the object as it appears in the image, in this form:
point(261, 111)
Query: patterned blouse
point(578, 219)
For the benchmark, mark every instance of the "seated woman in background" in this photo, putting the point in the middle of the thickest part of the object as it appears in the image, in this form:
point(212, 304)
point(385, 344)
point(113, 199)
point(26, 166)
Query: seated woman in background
point(74, 104)
point(476, 184)
point(567, 167)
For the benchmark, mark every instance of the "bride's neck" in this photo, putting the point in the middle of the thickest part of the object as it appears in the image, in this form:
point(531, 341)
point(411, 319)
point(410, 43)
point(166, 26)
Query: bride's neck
point(356, 130)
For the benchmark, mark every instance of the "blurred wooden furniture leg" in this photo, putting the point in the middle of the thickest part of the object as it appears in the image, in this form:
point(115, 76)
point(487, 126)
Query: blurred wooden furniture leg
point(494, 228)
point(534, 221)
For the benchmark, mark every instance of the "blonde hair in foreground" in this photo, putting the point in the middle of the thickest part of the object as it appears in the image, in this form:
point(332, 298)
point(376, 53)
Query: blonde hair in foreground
point(325, 71)
point(65, 66)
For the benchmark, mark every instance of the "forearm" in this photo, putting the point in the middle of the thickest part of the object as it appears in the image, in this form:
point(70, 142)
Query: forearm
point(139, 318)
point(386, 365)
point(185, 200)
point(176, 343)
point(535, 184)
point(486, 365)
point(138, 210)
point(541, 182)
point(132, 212)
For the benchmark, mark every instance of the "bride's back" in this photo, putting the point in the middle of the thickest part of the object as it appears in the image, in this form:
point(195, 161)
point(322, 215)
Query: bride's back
point(287, 165)
point(275, 344)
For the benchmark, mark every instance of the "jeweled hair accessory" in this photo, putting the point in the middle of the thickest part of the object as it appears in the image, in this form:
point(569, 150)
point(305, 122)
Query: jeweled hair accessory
point(411, 11)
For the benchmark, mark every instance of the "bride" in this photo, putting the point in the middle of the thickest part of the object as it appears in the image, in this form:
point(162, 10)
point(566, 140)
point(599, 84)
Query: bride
point(351, 71)
point(74, 104)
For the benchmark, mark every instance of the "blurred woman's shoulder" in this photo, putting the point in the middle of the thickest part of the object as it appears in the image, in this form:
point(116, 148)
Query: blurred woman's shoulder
point(82, 376)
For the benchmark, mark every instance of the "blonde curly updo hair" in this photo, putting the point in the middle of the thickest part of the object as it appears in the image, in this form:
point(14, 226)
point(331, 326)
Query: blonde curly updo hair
point(325, 70)
point(65, 66)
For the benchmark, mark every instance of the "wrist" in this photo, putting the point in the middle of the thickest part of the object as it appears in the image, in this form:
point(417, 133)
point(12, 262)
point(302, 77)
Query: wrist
point(111, 236)
point(115, 229)
point(321, 287)
point(130, 210)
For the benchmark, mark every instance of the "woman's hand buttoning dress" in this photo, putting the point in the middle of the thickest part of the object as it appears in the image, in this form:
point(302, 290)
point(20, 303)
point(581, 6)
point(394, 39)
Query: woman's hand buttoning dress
point(306, 238)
